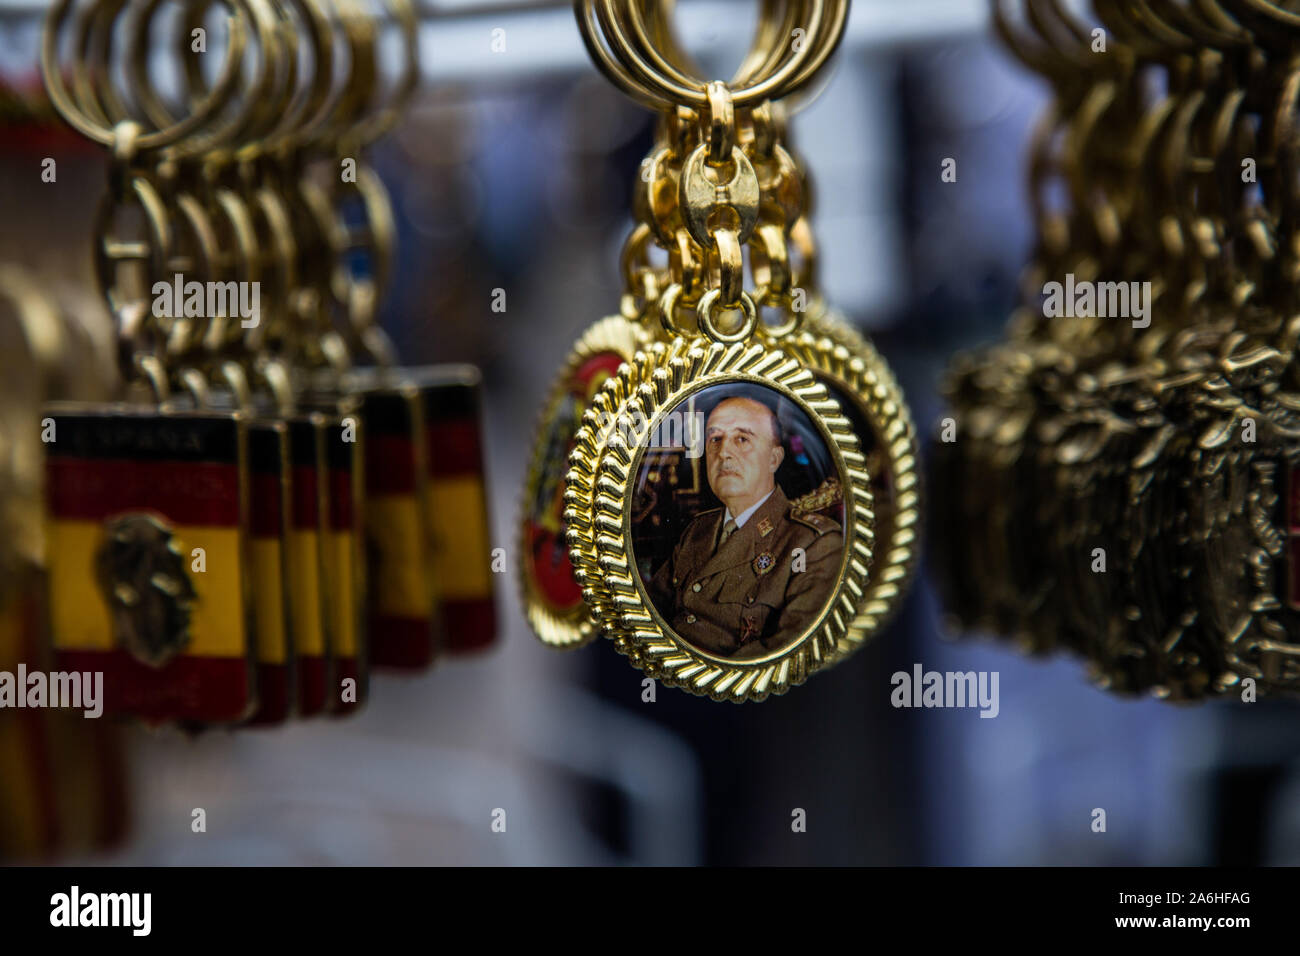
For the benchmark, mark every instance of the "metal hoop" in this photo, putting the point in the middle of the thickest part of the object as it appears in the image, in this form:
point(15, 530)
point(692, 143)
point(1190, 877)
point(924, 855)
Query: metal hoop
point(705, 312)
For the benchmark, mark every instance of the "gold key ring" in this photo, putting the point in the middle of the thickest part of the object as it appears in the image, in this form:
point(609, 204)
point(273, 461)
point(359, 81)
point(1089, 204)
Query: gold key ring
point(356, 86)
point(98, 98)
point(623, 67)
point(765, 53)
point(825, 29)
point(264, 93)
point(284, 118)
point(384, 116)
point(776, 39)
point(267, 100)
point(609, 15)
point(93, 30)
point(103, 134)
point(314, 99)
point(607, 63)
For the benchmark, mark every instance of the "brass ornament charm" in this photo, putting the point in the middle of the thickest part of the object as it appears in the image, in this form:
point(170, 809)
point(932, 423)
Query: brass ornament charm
point(598, 422)
point(718, 498)
point(552, 597)
point(689, 618)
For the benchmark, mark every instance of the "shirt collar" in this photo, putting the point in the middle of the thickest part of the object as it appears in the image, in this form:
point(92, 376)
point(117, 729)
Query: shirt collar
point(744, 516)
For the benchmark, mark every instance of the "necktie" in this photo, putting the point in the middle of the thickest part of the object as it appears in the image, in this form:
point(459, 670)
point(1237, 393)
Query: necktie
point(727, 528)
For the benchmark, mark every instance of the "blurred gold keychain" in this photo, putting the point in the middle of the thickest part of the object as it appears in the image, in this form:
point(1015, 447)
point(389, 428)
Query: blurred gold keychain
point(242, 252)
point(1119, 473)
point(62, 784)
point(552, 596)
point(427, 540)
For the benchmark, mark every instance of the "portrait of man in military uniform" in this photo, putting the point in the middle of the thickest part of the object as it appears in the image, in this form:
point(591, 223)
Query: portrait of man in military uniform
point(752, 576)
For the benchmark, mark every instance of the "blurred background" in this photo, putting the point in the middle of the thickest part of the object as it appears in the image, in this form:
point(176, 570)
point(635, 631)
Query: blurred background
point(513, 171)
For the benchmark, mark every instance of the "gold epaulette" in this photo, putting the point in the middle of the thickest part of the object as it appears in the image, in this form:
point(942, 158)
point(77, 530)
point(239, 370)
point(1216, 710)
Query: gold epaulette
point(829, 493)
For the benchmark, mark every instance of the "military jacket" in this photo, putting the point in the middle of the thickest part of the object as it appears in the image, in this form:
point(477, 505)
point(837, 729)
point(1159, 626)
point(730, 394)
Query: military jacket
point(755, 593)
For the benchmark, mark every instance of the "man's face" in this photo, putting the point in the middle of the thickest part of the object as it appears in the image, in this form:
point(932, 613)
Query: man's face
point(741, 452)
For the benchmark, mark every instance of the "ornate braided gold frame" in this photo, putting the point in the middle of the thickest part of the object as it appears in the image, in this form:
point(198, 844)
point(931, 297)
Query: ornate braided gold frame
point(604, 466)
point(841, 357)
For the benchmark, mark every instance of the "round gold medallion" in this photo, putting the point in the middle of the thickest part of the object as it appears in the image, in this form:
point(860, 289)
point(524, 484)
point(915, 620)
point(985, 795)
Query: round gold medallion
point(720, 518)
point(552, 598)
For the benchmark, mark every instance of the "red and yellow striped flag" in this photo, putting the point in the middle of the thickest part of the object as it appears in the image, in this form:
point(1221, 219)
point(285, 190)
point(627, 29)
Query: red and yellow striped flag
point(399, 568)
point(344, 562)
point(462, 559)
point(146, 528)
point(268, 446)
point(306, 551)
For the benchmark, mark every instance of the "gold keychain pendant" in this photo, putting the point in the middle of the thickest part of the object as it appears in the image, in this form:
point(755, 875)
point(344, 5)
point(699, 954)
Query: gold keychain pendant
point(552, 596)
point(580, 486)
point(731, 519)
point(719, 504)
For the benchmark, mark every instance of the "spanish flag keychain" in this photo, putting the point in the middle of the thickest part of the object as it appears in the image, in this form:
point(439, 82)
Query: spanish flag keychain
point(305, 544)
point(426, 548)
point(150, 579)
point(401, 602)
point(270, 468)
point(344, 562)
point(339, 429)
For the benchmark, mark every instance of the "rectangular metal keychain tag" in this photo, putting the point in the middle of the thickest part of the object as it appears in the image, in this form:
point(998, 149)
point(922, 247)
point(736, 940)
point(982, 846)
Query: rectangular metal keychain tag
point(269, 464)
point(400, 591)
point(344, 555)
point(458, 517)
point(147, 527)
point(308, 615)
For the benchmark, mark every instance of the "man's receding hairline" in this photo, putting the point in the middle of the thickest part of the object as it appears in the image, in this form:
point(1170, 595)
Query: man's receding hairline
point(776, 423)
